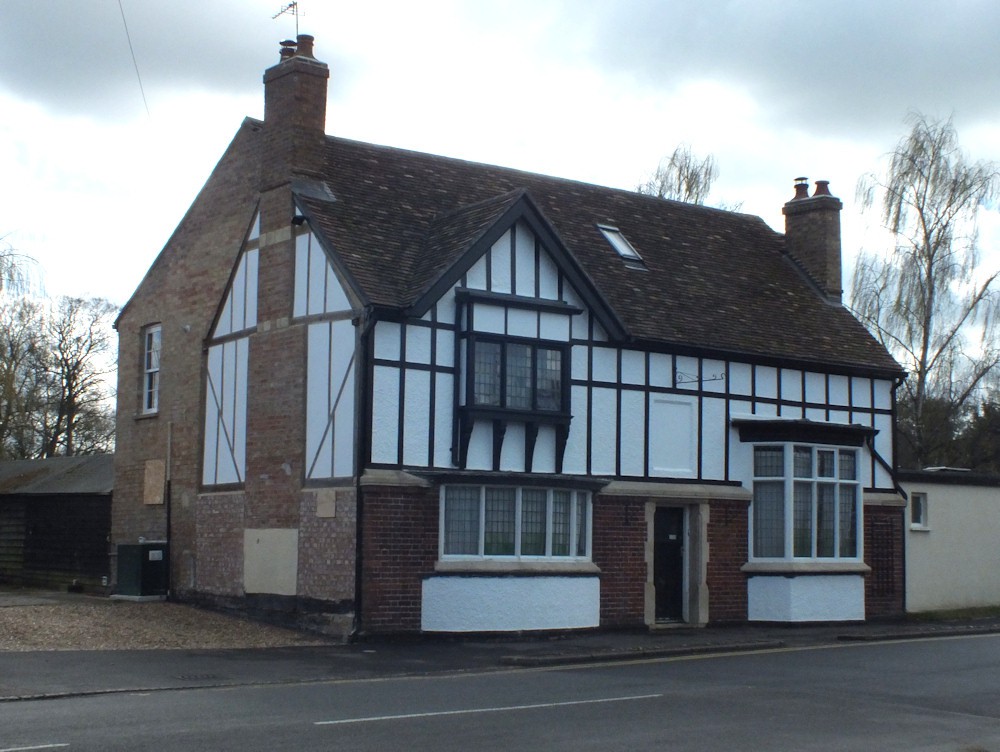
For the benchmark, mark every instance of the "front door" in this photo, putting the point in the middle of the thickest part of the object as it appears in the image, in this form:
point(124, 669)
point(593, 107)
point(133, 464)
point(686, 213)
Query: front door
point(668, 563)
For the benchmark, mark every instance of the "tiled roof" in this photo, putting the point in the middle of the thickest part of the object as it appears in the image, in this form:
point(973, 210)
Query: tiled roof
point(80, 474)
point(715, 281)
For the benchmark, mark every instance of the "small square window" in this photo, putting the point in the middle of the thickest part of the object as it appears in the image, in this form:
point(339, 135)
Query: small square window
point(620, 243)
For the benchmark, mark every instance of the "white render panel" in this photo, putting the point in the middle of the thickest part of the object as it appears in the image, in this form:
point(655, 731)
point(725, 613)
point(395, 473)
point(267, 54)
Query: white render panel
point(883, 445)
point(509, 604)
point(252, 261)
point(766, 381)
point(475, 278)
point(840, 416)
point(673, 433)
point(791, 385)
point(445, 354)
point(815, 413)
point(861, 392)
point(554, 326)
point(385, 415)
point(524, 261)
point(544, 458)
point(487, 318)
point(803, 599)
point(342, 396)
point(316, 289)
point(575, 457)
point(418, 344)
point(445, 307)
point(599, 334)
point(480, 455)
point(713, 439)
point(839, 394)
point(236, 300)
point(387, 335)
point(739, 378)
point(522, 323)
point(767, 410)
point(602, 444)
point(224, 449)
point(792, 412)
point(417, 418)
point(336, 297)
point(633, 434)
point(687, 372)
point(815, 387)
point(883, 394)
point(443, 416)
point(605, 364)
point(319, 440)
point(500, 280)
point(713, 375)
point(661, 370)
point(211, 441)
point(301, 276)
point(633, 367)
point(512, 450)
point(548, 277)
point(581, 326)
point(740, 409)
point(579, 355)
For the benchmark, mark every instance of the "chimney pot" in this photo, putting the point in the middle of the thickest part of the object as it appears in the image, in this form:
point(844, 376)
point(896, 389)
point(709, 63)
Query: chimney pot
point(822, 188)
point(801, 189)
point(305, 45)
point(287, 49)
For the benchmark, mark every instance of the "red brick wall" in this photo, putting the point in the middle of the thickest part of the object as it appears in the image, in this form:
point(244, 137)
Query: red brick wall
point(727, 553)
point(399, 546)
point(884, 586)
point(619, 541)
point(327, 549)
point(219, 546)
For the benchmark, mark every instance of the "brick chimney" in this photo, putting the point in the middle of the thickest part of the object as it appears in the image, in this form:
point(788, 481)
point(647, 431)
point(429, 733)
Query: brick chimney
point(812, 235)
point(294, 114)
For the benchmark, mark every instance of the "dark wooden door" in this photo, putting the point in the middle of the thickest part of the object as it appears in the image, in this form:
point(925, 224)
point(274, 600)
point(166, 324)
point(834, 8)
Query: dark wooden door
point(668, 563)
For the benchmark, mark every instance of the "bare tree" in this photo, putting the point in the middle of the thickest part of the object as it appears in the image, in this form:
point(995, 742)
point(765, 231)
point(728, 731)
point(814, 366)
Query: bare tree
point(22, 376)
point(682, 176)
point(928, 301)
point(15, 269)
point(78, 418)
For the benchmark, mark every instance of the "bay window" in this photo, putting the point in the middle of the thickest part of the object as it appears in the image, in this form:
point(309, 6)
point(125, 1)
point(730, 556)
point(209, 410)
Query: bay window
point(805, 502)
point(517, 375)
point(507, 521)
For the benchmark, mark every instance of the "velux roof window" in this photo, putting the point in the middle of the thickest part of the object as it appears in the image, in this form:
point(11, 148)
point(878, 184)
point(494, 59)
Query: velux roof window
point(620, 243)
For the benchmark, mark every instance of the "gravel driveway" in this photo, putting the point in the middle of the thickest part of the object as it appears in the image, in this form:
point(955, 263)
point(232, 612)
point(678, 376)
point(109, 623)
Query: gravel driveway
point(38, 620)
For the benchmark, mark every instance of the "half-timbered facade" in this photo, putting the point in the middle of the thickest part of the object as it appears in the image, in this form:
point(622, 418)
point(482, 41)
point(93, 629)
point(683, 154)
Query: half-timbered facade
point(398, 392)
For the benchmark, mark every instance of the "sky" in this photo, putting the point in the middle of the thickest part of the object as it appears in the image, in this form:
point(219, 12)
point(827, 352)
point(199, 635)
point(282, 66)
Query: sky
point(96, 169)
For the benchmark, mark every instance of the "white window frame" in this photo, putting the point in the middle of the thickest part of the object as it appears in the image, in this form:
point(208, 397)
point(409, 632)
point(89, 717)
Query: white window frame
point(576, 498)
point(789, 479)
point(152, 350)
point(918, 503)
point(616, 238)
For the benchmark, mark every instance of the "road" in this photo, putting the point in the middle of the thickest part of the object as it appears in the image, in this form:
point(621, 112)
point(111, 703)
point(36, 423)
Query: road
point(940, 694)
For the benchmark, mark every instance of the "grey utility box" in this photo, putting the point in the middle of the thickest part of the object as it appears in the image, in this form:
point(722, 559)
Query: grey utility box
point(142, 569)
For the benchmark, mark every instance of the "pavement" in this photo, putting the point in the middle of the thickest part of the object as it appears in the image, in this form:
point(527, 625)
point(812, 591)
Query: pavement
point(55, 674)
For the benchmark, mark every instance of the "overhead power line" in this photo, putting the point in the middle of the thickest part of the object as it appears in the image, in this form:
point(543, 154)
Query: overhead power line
point(134, 63)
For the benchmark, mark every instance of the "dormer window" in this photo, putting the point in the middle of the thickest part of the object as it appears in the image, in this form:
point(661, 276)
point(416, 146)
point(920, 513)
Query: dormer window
point(517, 375)
point(620, 243)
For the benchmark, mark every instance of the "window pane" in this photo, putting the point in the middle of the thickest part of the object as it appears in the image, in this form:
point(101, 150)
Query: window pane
point(560, 523)
point(824, 463)
point(581, 522)
point(533, 513)
point(848, 465)
point(826, 505)
point(802, 524)
point(803, 462)
point(153, 350)
point(769, 462)
point(152, 389)
point(486, 379)
point(848, 521)
point(769, 518)
point(549, 382)
point(518, 376)
point(499, 527)
point(461, 520)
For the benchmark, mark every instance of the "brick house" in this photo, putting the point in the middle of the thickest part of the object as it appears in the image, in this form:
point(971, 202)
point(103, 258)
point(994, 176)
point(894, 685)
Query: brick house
point(387, 391)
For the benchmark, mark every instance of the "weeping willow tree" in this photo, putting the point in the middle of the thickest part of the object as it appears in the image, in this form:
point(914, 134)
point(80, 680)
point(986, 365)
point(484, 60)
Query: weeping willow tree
point(682, 176)
point(928, 300)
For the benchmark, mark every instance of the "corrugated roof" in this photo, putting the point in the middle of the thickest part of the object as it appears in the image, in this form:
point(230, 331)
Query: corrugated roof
point(82, 474)
point(714, 280)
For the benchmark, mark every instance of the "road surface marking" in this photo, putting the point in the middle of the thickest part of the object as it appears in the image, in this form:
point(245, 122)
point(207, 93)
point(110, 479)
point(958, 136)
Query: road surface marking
point(370, 719)
point(37, 746)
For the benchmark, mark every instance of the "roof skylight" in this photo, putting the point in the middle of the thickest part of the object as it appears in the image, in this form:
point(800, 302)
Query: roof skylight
point(620, 243)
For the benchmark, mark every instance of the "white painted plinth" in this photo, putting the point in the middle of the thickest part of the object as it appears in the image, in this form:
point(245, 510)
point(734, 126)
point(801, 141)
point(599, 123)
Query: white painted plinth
point(806, 598)
point(457, 603)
